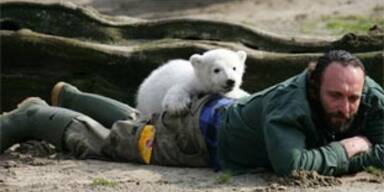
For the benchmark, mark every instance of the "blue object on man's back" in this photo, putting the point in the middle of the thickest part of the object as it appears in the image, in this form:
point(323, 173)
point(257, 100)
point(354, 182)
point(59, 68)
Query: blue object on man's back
point(209, 124)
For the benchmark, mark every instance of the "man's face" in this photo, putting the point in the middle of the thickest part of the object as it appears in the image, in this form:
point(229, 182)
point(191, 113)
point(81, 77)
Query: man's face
point(340, 94)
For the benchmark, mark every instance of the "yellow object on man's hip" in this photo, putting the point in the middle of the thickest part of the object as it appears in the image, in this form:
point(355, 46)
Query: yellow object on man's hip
point(147, 136)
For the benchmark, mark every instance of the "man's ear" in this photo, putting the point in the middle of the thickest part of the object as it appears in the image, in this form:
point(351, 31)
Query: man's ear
point(311, 66)
point(242, 56)
point(196, 60)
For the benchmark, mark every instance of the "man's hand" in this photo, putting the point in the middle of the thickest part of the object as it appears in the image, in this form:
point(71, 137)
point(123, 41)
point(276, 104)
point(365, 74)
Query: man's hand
point(355, 145)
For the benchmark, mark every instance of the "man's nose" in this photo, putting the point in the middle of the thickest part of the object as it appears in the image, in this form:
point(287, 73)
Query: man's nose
point(345, 107)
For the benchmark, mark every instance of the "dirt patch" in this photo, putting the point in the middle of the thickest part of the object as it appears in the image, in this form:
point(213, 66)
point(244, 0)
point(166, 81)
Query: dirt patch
point(34, 166)
point(32, 153)
point(305, 179)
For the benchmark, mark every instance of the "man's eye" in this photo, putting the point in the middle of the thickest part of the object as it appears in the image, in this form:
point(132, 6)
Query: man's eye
point(216, 70)
point(335, 95)
point(353, 98)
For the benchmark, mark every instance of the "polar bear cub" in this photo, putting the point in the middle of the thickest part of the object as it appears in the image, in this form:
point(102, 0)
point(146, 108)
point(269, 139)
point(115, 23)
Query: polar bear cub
point(172, 86)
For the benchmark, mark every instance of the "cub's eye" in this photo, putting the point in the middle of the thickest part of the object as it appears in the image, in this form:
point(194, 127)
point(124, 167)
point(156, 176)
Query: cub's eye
point(216, 70)
point(234, 68)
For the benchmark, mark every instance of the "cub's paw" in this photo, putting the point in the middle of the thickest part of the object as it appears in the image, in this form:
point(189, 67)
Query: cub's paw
point(237, 94)
point(179, 106)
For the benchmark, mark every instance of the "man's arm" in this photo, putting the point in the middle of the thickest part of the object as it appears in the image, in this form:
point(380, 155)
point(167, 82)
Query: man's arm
point(287, 145)
point(374, 157)
point(374, 132)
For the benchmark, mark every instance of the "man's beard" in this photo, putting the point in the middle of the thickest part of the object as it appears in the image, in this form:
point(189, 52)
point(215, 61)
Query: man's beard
point(339, 126)
point(325, 116)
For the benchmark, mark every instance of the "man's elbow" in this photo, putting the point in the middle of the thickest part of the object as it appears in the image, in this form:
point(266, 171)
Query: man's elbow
point(286, 168)
point(296, 161)
point(284, 171)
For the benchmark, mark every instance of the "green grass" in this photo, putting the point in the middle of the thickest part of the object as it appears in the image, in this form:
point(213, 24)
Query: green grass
point(224, 178)
point(103, 182)
point(352, 23)
point(375, 171)
point(338, 25)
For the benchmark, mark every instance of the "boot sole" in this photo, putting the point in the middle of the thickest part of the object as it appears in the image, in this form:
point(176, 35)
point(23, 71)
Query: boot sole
point(30, 101)
point(27, 102)
point(55, 93)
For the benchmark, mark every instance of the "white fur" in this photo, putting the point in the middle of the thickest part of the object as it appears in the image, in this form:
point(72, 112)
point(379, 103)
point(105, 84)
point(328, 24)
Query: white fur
point(171, 86)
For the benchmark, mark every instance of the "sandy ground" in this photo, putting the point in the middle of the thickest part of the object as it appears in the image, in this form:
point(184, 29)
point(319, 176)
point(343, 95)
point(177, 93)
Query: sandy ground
point(34, 166)
point(24, 169)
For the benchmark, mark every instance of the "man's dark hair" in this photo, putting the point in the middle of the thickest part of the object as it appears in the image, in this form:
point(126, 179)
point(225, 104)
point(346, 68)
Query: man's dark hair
point(317, 69)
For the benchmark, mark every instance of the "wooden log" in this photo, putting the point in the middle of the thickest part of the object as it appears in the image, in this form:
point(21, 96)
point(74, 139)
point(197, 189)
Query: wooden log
point(33, 62)
point(69, 20)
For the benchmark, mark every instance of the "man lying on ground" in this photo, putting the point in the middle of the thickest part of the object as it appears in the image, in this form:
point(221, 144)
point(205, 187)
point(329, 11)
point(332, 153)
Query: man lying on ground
point(329, 119)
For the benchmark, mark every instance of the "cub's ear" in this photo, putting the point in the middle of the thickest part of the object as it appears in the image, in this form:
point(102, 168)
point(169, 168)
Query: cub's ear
point(196, 60)
point(242, 56)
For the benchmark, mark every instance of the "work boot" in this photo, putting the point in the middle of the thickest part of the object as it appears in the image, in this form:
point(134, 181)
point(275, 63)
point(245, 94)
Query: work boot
point(102, 109)
point(34, 119)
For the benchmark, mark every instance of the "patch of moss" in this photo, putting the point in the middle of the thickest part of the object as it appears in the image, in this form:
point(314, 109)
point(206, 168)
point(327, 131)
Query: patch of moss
point(338, 25)
point(103, 182)
point(375, 171)
point(224, 178)
point(352, 23)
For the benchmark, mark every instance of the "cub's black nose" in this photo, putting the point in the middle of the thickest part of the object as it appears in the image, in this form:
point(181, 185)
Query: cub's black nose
point(230, 83)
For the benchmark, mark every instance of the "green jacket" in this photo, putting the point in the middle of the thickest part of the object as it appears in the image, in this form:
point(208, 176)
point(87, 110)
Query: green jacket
point(276, 129)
